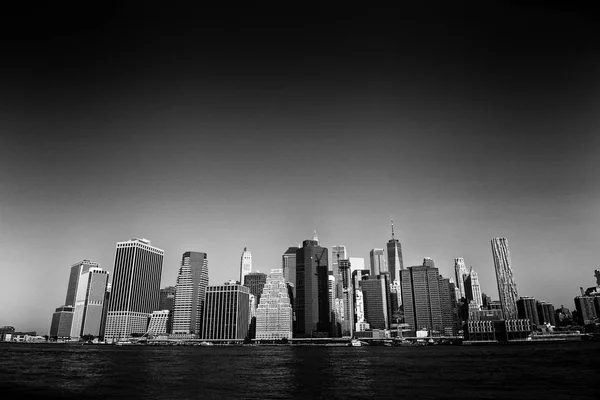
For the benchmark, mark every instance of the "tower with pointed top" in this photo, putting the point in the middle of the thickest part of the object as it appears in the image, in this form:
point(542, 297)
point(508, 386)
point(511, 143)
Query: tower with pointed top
point(460, 272)
point(245, 264)
point(394, 256)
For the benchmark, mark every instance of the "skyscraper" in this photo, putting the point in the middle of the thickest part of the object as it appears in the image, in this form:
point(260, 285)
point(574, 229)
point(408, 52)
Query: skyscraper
point(347, 297)
point(473, 289)
point(421, 297)
point(288, 264)
point(76, 270)
point(190, 293)
point(460, 272)
point(245, 264)
point(135, 288)
point(394, 257)
point(356, 264)
point(89, 303)
point(62, 320)
point(507, 289)
point(255, 281)
point(337, 253)
point(376, 299)
point(226, 312)
point(312, 313)
point(274, 313)
point(378, 264)
point(167, 302)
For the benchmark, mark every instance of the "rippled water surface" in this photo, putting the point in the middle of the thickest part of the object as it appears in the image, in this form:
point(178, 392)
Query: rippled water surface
point(562, 371)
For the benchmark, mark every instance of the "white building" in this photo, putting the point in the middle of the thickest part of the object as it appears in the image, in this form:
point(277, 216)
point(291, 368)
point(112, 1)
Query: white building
point(89, 302)
point(158, 323)
point(356, 263)
point(190, 293)
point(274, 312)
point(245, 264)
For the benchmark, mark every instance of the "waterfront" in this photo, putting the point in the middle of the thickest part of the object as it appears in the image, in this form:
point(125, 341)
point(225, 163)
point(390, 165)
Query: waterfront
point(560, 370)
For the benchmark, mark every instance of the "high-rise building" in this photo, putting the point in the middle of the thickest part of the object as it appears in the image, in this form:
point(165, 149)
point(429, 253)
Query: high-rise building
point(274, 313)
point(527, 309)
point(89, 302)
point(507, 288)
point(288, 264)
point(347, 297)
point(473, 289)
point(135, 288)
point(77, 269)
point(376, 299)
point(312, 300)
point(421, 298)
point(226, 312)
point(245, 264)
point(337, 253)
point(255, 281)
point(394, 257)
point(460, 273)
point(167, 302)
point(447, 300)
point(546, 313)
point(378, 265)
point(62, 319)
point(190, 293)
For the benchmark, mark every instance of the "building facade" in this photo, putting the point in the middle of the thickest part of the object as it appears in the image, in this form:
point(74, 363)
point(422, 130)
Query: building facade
point(507, 288)
point(255, 281)
point(378, 263)
point(527, 309)
point(89, 303)
point(62, 320)
point(274, 312)
point(135, 288)
point(190, 293)
point(473, 289)
point(421, 298)
point(158, 324)
point(245, 264)
point(395, 262)
point(460, 273)
point(227, 312)
point(312, 304)
point(167, 302)
point(376, 300)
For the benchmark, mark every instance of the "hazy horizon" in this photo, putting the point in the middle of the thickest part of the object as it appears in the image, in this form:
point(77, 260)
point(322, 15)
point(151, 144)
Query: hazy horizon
point(213, 130)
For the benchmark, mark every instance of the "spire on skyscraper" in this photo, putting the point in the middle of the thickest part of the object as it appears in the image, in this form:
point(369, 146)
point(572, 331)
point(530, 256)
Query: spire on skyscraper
point(392, 227)
point(315, 238)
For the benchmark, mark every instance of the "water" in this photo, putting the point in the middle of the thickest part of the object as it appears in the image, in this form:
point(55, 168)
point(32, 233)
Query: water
point(560, 370)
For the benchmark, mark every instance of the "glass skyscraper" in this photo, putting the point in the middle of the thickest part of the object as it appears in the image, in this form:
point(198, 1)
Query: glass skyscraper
point(394, 257)
point(507, 288)
point(89, 303)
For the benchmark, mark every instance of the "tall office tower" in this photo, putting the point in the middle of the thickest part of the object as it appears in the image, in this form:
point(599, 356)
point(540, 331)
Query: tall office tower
point(337, 253)
point(245, 264)
point(89, 303)
point(62, 319)
point(274, 313)
point(394, 257)
point(378, 265)
point(460, 272)
point(472, 289)
point(356, 263)
point(456, 317)
point(507, 289)
point(446, 306)
point(159, 321)
point(527, 309)
point(226, 312)
point(347, 297)
point(167, 302)
point(429, 262)
point(76, 270)
point(376, 296)
point(135, 288)
point(546, 313)
point(312, 300)
point(288, 264)
point(255, 281)
point(190, 293)
point(421, 298)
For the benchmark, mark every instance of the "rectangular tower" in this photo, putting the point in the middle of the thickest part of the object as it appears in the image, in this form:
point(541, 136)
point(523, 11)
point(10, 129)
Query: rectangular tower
point(312, 313)
point(378, 263)
point(376, 300)
point(135, 288)
point(190, 293)
point(226, 312)
point(421, 298)
point(89, 303)
point(507, 289)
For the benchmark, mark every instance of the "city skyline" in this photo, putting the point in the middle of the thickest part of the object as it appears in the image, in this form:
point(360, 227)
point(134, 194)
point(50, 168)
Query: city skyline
point(214, 130)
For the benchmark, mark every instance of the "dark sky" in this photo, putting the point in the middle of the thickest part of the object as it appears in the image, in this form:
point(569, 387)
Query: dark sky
point(215, 129)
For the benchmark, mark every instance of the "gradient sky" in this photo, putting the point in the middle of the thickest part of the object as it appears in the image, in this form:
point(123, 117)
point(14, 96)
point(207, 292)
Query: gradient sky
point(211, 130)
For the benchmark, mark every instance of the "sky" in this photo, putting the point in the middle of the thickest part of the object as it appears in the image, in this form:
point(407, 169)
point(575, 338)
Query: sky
point(217, 129)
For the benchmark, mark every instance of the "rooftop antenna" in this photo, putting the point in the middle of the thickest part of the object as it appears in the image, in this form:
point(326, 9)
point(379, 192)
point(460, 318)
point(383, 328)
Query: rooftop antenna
point(392, 227)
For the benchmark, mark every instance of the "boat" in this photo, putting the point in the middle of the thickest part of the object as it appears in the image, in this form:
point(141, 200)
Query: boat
point(355, 343)
point(206, 344)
